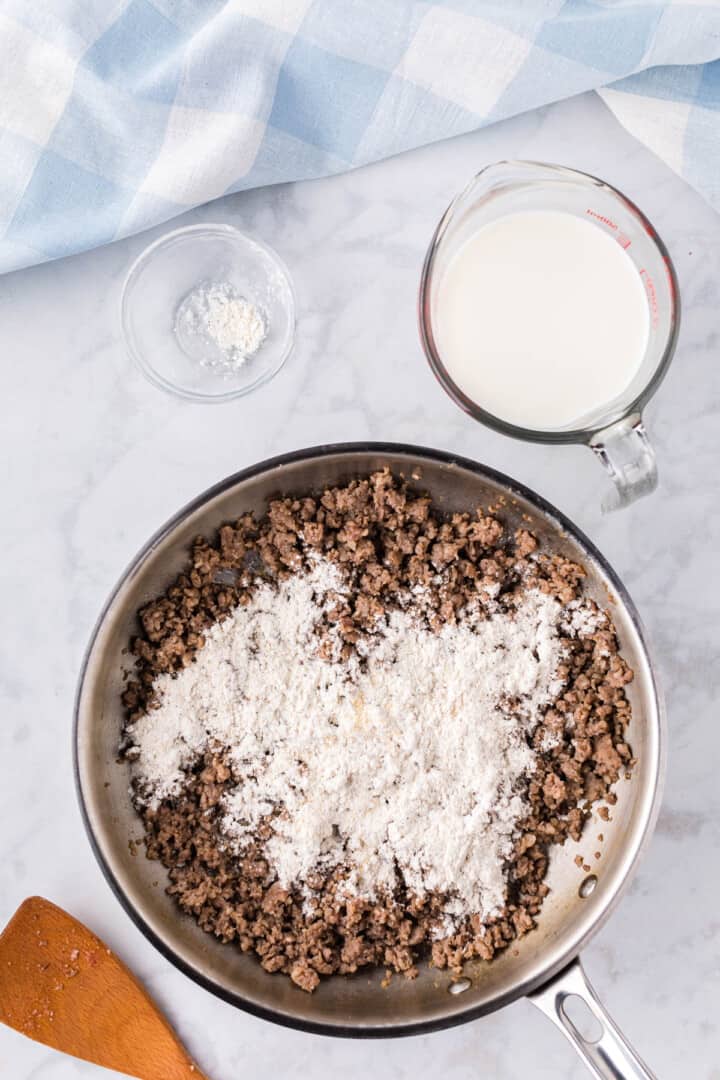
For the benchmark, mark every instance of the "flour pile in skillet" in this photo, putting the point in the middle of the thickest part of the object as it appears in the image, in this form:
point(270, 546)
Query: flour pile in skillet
point(404, 762)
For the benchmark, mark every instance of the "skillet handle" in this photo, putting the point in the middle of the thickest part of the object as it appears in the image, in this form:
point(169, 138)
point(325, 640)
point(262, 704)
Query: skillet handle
point(610, 1056)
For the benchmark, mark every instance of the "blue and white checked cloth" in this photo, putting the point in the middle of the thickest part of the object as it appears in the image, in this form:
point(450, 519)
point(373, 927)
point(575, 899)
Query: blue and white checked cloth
point(119, 114)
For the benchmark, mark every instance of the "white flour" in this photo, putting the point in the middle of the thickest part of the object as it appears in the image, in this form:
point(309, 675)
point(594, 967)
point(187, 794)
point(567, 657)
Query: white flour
point(581, 618)
point(414, 761)
point(222, 324)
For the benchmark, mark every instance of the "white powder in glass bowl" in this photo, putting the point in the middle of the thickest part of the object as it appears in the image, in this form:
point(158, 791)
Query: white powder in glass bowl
point(219, 327)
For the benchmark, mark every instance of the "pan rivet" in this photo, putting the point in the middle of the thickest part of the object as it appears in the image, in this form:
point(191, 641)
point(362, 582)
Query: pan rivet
point(460, 986)
point(588, 886)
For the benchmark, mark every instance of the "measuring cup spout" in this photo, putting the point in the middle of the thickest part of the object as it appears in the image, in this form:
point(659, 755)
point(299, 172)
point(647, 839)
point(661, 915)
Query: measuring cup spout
point(510, 175)
point(626, 453)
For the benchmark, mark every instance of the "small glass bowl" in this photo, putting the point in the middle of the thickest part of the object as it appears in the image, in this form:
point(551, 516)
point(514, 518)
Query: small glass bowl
point(168, 270)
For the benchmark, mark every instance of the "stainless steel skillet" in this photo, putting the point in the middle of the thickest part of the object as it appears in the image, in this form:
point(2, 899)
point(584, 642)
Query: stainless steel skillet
point(544, 965)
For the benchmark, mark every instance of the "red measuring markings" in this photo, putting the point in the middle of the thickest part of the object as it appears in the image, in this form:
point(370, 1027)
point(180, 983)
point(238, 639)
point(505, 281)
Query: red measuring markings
point(601, 217)
point(622, 238)
point(670, 276)
point(651, 295)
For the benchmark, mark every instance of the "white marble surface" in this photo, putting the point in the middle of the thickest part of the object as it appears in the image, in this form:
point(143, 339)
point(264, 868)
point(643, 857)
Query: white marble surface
point(95, 458)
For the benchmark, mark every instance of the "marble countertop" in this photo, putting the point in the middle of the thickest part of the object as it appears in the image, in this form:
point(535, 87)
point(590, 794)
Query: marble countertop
point(95, 459)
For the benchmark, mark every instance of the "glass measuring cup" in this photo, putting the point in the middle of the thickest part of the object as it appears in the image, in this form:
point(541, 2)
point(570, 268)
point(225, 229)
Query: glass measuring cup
point(614, 430)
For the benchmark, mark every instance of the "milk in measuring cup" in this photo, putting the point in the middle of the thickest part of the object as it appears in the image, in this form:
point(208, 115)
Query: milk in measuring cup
point(541, 319)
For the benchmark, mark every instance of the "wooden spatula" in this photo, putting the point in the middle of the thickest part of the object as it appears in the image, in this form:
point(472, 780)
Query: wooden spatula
point(62, 986)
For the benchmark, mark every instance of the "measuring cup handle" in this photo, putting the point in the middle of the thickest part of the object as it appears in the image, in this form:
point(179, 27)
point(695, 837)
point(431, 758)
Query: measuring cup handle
point(626, 453)
point(609, 1056)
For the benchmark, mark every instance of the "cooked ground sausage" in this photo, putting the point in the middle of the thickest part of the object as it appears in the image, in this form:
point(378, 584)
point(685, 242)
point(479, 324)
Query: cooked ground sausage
point(389, 538)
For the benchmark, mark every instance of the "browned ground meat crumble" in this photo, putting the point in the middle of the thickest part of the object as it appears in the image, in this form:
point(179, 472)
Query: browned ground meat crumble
point(386, 537)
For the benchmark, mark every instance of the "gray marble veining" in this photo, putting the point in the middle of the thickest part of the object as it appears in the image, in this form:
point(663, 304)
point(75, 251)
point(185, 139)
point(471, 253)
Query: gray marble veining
point(94, 459)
